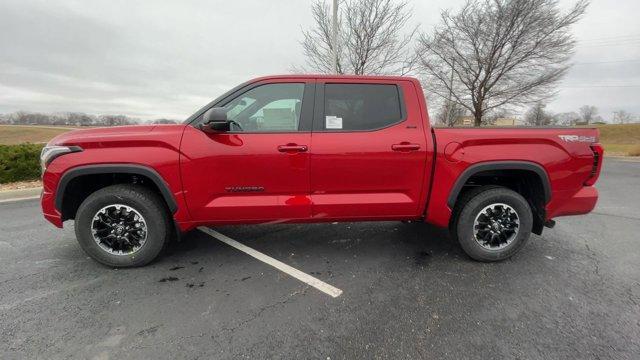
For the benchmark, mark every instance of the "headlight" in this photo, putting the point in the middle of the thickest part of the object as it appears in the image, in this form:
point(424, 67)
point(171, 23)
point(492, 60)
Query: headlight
point(53, 151)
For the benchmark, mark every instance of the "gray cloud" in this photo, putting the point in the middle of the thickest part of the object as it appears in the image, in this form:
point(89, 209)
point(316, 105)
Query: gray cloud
point(165, 59)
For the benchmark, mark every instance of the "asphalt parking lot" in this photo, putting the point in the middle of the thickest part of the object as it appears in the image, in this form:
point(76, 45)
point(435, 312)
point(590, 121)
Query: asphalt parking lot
point(408, 291)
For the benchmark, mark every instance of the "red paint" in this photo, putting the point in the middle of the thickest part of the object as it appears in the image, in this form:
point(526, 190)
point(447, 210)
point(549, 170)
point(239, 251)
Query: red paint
point(209, 165)
point(359, 174)
point(387, 174)
point(567, 164)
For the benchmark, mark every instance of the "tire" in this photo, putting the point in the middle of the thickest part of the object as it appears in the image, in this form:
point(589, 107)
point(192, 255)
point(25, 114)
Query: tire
point(493, 238)
point(123, 202)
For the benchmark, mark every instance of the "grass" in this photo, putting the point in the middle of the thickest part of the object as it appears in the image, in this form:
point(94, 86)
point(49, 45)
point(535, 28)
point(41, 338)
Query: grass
point(635, 151)
point(617, 149)
point(18, 134)
point(620, 139)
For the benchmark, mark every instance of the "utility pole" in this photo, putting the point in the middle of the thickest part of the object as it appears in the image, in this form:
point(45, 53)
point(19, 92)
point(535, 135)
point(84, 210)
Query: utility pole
point(334, 36)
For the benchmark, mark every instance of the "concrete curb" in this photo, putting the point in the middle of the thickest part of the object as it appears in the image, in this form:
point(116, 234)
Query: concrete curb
point(19, 194)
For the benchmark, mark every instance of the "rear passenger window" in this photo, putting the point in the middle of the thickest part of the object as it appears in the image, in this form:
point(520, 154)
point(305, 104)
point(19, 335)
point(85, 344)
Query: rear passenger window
point(360, 106)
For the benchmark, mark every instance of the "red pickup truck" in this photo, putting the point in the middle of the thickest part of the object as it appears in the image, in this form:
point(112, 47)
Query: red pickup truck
point(291, 149)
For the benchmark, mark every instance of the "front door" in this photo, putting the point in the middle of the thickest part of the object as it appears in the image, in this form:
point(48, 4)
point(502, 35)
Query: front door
point(368, 155)
point(258, 171)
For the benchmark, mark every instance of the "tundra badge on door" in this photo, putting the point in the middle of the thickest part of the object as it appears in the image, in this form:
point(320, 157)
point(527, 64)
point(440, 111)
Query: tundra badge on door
point(244, 189)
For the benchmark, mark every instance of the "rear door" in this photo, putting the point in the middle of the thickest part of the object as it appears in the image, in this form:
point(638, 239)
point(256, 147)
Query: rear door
point(368, 151)
point(258, 171)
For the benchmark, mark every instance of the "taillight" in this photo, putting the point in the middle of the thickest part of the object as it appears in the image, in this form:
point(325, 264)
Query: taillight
point(598, 152)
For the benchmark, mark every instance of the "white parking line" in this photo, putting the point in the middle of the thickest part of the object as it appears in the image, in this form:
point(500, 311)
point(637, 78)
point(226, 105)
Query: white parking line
point(305, 278)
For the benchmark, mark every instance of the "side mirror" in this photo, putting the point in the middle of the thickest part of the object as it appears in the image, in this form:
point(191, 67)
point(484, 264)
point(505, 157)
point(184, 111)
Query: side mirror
point(215, 121)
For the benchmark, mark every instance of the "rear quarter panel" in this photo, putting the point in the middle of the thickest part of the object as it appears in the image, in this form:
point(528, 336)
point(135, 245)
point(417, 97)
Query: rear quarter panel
point(568, 164)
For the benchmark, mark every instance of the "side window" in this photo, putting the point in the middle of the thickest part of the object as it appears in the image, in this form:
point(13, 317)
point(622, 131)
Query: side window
point(360, 106)
point(270, 107)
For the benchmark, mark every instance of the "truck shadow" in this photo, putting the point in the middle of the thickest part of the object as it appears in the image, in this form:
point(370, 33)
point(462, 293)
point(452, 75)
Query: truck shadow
point(420, 243)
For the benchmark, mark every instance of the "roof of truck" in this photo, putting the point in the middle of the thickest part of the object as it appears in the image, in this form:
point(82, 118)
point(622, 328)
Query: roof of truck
point(335, 76)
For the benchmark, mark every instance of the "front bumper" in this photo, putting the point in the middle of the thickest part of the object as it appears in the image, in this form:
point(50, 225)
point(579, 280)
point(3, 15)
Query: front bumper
point(47, 202)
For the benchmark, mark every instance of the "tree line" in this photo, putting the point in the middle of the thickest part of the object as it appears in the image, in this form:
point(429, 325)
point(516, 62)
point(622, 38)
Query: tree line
point(74, 119)
point(537, 115)
point(486, 59)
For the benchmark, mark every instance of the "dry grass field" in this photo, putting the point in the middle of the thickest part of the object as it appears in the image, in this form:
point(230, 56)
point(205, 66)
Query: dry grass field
point(621, 139)
point(18, 134)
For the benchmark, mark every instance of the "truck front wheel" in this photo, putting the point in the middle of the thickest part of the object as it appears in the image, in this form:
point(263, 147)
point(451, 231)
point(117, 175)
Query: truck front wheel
point(123, 225)
point(493, 223)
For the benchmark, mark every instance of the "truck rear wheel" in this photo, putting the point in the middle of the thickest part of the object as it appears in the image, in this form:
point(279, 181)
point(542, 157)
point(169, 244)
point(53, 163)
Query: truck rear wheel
point(493, 223)
point(122, 225)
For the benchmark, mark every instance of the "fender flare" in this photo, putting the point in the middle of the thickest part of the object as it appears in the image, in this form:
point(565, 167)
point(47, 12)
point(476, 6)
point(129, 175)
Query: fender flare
point(116, 168)
point(500, 165)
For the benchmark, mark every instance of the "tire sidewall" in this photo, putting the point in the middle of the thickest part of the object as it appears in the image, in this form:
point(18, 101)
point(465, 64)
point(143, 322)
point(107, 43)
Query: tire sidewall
point(154, 218)
point(465, 225)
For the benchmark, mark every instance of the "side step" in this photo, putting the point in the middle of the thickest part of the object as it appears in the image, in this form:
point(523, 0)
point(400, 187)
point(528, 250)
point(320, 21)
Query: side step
point(550, 224)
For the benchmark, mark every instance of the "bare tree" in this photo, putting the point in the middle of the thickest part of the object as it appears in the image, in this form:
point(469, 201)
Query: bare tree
point(67, 118)
point(567, 118)
point(115, 120)
point(79, 119)
point(500, 52)
point(538, 116)
point(29, 118)
point(588, 113)
point(449, 113)
point(163, 121)
point(373, 38)
point(18, 118)
point(622, 117)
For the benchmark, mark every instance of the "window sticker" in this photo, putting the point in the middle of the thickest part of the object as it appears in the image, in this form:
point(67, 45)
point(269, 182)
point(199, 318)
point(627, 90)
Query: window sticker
point(333, 122)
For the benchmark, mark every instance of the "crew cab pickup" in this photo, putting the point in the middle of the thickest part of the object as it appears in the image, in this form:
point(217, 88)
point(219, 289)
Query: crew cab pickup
point(292, 149)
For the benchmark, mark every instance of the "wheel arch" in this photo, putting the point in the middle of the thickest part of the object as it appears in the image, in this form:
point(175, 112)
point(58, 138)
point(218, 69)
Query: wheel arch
point(113, 169)
point(531, 181)
point(499, 166)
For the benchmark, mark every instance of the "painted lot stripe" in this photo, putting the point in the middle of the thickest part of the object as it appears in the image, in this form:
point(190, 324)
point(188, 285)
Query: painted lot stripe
point(20, 199)
point(305, 278)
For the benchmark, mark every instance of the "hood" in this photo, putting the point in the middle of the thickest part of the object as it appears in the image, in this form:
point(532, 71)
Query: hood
point(100, 134)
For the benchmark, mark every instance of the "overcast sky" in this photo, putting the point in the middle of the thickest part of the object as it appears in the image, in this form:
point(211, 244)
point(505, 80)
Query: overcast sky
point(152, 59)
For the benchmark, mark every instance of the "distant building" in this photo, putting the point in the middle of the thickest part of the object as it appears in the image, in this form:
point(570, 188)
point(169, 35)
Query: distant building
point(464, 121)
point(469, 121)
point(505, 122)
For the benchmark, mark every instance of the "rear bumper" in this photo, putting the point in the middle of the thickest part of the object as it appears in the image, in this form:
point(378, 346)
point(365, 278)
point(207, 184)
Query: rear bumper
point(581, 202)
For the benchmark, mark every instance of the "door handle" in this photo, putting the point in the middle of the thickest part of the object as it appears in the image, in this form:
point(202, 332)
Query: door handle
point(292, 148)
point(405, 146)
